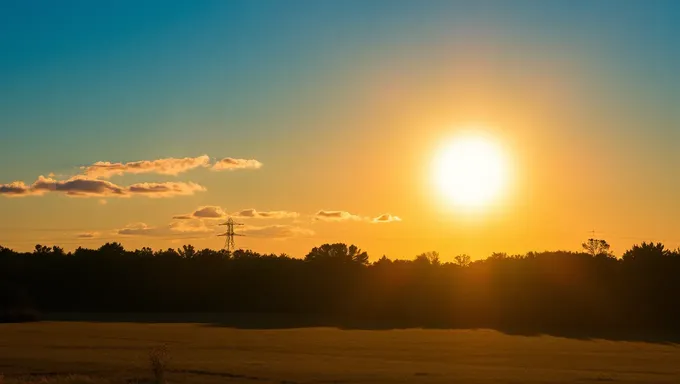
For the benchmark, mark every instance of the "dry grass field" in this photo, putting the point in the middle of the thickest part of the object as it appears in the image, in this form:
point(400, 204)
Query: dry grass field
point(99, 352)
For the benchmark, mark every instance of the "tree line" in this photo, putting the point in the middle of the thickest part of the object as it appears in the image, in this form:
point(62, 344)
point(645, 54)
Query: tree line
point(590, 293)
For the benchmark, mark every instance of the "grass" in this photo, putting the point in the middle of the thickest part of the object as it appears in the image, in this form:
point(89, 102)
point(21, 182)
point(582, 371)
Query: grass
point(110, 353)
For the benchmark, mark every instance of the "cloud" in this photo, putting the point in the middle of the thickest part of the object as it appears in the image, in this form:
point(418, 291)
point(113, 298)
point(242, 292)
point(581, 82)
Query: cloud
point(190, 226)
point(80, 186)
point(83, 186)
point(213, 212)
point(216, 212)
point(346, 216)
point(228, 164)
point(254, 214)
point(204, 212)
point(386, 218)
point(276, 231)
point(167, 166)
point(183, 229)
point(141, 229)
point(336, 216)
point(166, 189)
point(17, 188)
point(88, 235)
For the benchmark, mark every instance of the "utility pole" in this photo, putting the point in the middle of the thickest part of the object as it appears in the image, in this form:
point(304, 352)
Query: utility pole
point(229, 244)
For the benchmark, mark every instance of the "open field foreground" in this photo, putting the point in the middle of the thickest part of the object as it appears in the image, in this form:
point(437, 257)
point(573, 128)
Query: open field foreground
point(119, 352)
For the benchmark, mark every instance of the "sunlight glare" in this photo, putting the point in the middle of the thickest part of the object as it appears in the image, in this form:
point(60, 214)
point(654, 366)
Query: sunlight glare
point(471, 171)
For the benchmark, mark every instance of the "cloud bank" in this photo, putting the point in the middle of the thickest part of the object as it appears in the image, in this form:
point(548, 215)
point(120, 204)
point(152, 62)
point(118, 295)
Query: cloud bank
point(194, 229)
point(16, 188)
point(83, 186)
point(167, 166)
point(255, 214)
point(336, 216)
point(230, 164)
point(276, 231)
point(88, 235)
point(386, 218)
point(216, 212)
point(346, 216)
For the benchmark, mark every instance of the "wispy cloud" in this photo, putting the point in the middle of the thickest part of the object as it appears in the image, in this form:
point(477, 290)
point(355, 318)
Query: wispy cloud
point(228, 164)
point(346, 216)
point(78, 186)
point(211, 212)
point(386, 218)
point(88, 235)
point(204, 212)
point(83, 186)
point(166, 189)
point(191, 229)
point(17, 189)
point(276, 231)
point(166, 166)
point(216, 212)
point(336, 216)
point(255, 214)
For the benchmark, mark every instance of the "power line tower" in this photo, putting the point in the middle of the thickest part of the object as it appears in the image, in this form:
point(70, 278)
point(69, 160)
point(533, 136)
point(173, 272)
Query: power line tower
point(229, 243)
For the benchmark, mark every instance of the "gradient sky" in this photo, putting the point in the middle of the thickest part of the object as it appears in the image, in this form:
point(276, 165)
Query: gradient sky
point(344, 103)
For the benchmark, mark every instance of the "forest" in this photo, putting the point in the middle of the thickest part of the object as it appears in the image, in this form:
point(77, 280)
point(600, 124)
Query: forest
point(585, 294)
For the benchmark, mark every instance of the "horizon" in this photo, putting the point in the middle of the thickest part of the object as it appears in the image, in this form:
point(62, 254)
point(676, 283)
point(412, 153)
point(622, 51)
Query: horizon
point(459, 127)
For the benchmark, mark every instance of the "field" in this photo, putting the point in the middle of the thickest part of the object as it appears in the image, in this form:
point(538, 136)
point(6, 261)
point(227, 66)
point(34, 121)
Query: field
point(100, 352)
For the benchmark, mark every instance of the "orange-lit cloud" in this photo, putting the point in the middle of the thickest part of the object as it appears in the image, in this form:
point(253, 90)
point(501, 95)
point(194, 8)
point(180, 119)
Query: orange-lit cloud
point(386, 218)
point(167, 166)
point(165, 189)
point(215, 212)
point(78, 186)
point(346, 216)
point(193, 229)
point(88, 235)
point(228, 164)
point(83, 186)
point(255, 214)
point(336, 216)
point(16, 188)
point(276, 231)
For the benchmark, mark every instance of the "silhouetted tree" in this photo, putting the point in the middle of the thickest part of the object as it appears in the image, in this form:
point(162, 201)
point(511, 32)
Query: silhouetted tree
point(112, 249)
point(646, 252)
point(384, 260)
point(429, 258)
point(187, 251)
point(144, 252)
point(596, 247)
point(541, 292)
point(42, 250)
point(463, 260)
point(339, 253)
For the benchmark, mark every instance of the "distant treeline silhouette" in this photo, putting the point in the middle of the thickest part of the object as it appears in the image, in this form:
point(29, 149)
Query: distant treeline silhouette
point(589, 294)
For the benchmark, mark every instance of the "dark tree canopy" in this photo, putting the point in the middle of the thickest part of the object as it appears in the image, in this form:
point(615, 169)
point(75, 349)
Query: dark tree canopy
point(337, 253)
point(559, 292)
point(597, 247)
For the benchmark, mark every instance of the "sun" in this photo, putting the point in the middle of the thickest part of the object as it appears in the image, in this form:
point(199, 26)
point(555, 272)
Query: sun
point(471, 170)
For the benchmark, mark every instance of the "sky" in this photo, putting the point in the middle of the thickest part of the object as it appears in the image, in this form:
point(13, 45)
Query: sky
point(149, 123)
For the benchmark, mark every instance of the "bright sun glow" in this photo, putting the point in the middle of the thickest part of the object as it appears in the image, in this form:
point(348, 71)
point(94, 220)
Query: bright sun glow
point(471, 171)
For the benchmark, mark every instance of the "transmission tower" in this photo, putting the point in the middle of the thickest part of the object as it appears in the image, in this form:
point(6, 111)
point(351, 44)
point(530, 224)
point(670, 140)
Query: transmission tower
point(229, 244)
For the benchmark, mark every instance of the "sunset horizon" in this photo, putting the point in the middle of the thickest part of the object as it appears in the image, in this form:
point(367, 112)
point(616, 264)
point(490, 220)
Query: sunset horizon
point(339, 191)
point(111, 135)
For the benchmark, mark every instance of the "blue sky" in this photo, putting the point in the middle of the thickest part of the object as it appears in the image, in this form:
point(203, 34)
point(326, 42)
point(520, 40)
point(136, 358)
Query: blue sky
point(293, 85)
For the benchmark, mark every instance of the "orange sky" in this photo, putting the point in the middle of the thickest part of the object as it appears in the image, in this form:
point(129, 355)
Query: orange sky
point(338, 144)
